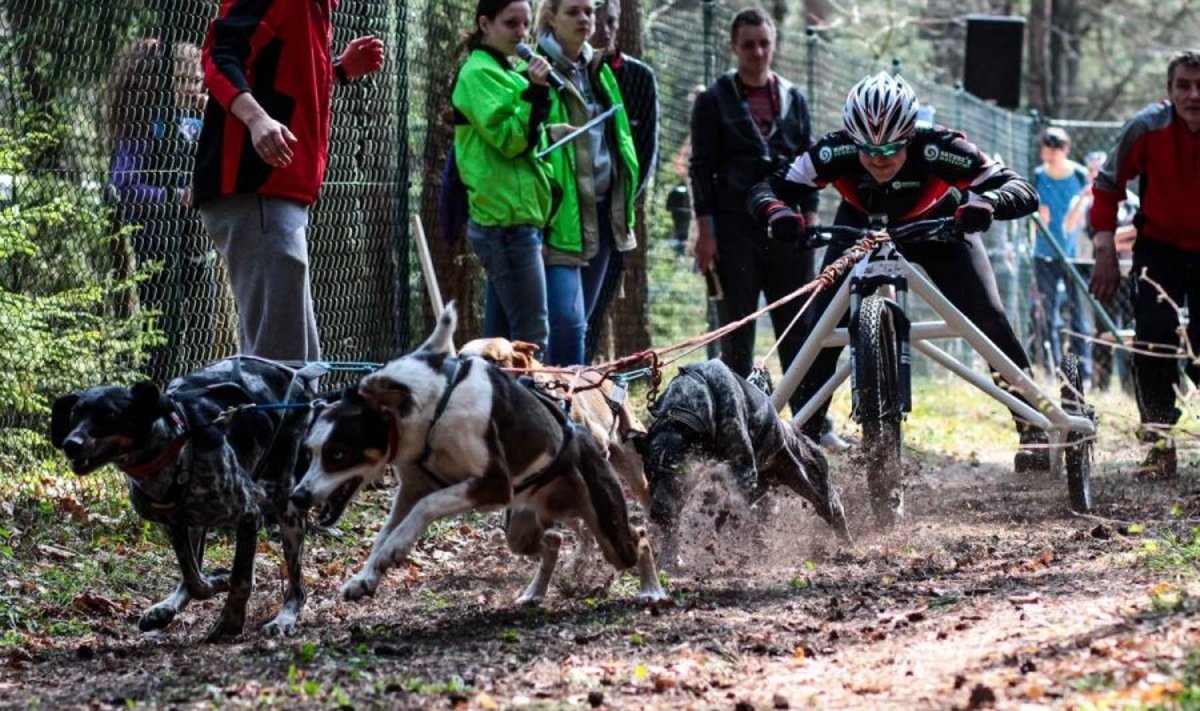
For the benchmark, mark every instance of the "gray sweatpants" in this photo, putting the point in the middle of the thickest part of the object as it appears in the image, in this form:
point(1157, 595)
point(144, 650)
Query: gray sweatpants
point(264, 243)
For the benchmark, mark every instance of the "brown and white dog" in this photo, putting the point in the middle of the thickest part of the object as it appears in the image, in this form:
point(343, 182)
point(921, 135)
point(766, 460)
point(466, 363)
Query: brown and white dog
point(612, 426)
point(466, 436)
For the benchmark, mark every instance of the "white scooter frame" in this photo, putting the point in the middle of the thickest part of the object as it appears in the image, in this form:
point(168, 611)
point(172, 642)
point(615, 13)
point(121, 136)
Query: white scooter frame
point(885, 262)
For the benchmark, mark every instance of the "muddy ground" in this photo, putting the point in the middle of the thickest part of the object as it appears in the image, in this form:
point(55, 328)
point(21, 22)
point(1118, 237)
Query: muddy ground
point(990, 595)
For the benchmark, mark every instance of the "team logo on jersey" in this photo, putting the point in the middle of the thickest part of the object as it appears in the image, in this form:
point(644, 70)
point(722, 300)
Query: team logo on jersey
point(933, 154)
point(828, 153)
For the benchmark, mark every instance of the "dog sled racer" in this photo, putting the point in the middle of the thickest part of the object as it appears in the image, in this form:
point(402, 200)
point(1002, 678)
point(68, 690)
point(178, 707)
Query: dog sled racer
point(883, 163)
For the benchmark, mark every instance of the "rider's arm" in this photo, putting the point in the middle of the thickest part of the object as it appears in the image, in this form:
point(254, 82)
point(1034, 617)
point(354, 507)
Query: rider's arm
point(964, 165)
point(795, 184)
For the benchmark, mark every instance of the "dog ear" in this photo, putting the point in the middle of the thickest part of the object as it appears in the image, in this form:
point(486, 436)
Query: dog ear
point(526, 348)
point(149, 403)
point(442, 338)
point(396, 397)
point(60, 419)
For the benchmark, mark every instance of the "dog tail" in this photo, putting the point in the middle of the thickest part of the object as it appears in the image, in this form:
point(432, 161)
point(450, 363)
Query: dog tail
point(442, 338)
point(612, 529)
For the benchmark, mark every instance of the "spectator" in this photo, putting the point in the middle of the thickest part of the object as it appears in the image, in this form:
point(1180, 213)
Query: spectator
point(1161, 147)
point(748, 123)
point(1119, 307)
point(1058, 181)
point(255, 203)
point(499, 110)
point(598, 174)
point(639, 89)
point(153, 106)
point(882, 163)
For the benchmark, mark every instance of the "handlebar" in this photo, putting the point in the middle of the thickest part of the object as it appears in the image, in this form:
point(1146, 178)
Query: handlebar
point(936, 230)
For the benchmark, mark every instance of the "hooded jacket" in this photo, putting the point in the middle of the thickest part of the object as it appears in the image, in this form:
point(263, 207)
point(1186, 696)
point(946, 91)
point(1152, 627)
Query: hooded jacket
point(573, 237)
point(498, 119)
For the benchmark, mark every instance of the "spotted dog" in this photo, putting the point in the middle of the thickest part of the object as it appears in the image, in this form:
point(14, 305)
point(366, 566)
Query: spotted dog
point(201, 454)
point(709, 411)
point(603, 410)
point(464, 436)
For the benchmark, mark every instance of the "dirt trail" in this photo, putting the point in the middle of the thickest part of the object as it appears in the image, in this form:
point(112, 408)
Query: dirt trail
point(990, 594)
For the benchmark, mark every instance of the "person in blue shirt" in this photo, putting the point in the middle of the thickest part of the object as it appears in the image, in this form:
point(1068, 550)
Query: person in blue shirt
point(1058, 181)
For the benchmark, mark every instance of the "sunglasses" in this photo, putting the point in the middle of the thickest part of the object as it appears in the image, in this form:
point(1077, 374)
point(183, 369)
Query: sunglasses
point(887, 150)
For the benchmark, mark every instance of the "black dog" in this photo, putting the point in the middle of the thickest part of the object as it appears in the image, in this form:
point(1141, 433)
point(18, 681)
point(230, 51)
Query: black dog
point(203, 453)
point(709, 411)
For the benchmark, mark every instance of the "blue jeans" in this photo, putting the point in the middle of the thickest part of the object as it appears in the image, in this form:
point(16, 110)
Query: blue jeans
point(1049, 272)
point(516, 282)
point(571, 294)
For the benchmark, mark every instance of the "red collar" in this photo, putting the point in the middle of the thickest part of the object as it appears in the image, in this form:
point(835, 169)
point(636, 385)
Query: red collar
point(168, 455)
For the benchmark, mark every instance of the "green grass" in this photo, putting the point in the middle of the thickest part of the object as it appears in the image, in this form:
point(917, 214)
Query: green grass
point(1174, 554)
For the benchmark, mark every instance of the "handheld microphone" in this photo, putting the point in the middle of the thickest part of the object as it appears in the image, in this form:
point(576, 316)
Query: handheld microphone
point(524, 52)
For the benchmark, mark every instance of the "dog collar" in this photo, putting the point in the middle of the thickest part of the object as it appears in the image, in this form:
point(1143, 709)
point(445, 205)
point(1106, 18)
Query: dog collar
point(166, 457)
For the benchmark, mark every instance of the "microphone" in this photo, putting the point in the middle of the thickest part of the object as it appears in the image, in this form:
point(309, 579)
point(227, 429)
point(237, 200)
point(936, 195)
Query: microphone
point(524, 52)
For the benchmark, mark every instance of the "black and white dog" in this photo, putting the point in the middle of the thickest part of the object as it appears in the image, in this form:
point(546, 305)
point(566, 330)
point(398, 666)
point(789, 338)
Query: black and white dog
point(464, 435)
point(204, 453)
point(709, 411)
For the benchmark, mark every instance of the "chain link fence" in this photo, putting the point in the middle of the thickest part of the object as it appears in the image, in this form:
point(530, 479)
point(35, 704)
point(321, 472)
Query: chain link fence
point(114, 82)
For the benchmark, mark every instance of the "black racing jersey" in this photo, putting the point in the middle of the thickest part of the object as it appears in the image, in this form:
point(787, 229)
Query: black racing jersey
point(941, 167)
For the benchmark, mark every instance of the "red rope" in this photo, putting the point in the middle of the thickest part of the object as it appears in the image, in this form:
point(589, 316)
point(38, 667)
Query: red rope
point(652, 357)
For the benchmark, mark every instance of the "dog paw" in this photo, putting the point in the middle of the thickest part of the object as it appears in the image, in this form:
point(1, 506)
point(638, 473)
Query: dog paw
point(156, 617)
point(359, 587)
point(285, 624)
point(228, 625)
point(653, 596)
point(530, 599)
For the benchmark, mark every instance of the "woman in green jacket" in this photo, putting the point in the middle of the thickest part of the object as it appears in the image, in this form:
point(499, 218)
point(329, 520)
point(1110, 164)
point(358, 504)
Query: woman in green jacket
point(499, 109)
point(597, 171)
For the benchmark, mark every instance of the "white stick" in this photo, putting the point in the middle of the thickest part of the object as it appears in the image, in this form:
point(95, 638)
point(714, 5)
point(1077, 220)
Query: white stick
point(431, 282)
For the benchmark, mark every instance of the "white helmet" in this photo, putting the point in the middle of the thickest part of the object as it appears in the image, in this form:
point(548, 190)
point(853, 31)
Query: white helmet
point(880, 110)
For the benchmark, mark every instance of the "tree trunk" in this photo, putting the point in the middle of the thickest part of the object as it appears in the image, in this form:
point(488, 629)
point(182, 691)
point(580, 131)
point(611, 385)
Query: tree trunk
point(629, 317)
point(458, 272)
point(1040, 79)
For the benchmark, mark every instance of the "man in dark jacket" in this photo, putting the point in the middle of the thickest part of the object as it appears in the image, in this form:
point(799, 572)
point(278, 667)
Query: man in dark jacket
point(269, 70)
point(747, 124)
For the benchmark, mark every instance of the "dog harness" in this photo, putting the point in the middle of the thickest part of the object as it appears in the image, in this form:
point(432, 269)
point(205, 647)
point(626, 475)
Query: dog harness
point(185, 431)
point(554, 469)
point(454, 372)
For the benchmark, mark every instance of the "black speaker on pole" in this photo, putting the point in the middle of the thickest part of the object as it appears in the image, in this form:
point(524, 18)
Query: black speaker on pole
point(992, 69)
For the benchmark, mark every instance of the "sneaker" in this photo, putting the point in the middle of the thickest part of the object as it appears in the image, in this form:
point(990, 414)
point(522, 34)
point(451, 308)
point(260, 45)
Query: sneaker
point(831, 442)
point(1034, 452)
point(1161, 462)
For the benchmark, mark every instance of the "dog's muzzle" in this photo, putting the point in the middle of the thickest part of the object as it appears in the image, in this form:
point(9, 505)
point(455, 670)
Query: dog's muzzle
point(666, 450)
point(332, 506)
point(86, 454)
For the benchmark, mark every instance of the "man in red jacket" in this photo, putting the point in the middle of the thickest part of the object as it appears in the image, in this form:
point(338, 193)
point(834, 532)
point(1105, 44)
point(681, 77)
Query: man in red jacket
point(260, 162)
point(1161, 147)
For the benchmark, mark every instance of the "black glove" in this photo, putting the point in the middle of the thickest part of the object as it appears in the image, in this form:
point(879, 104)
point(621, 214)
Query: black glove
point(786, 225)
point(973, 217)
